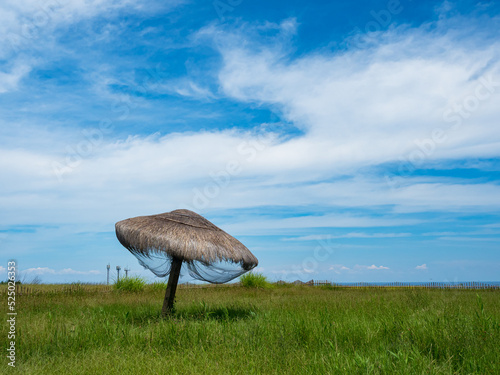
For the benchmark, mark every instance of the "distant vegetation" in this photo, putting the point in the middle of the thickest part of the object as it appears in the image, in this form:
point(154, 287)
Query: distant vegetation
point(237, 330)
point(158, 285)
point(7, 281)
point(254, 280)
point(130, 284)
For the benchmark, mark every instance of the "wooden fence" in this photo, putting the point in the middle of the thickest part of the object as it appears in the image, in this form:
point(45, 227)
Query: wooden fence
point(429, 285)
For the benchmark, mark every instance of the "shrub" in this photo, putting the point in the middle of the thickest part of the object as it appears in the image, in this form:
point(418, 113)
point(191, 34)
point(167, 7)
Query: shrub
point(130, 284)
point(254, 280)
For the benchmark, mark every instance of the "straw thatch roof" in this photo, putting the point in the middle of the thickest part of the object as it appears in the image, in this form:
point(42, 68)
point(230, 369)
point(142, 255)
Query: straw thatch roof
point(182, 234)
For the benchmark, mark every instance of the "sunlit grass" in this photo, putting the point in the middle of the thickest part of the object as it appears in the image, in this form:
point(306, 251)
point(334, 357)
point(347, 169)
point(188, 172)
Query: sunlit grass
point(130, 284)
point(254, 280)
point(299, 329)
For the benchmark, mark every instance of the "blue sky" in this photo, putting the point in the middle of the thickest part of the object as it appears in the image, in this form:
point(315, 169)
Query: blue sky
point(347, 141)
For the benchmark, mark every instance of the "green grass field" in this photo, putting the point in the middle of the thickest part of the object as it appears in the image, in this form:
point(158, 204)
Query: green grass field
point(279, 330)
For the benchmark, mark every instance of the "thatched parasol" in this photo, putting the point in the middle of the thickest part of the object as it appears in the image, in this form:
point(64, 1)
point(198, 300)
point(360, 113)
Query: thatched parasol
point(183, 236)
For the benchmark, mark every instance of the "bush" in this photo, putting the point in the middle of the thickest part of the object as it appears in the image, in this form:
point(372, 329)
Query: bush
point(254, 280)
point(130, 284)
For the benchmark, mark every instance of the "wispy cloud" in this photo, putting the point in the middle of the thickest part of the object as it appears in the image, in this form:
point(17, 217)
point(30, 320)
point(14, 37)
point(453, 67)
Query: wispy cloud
point(70, 271)
point(40, 271)
point(373, 267)
point(10, 80)
point(469, 239)
point(323, 92)
point(319, 92)
point(317, 237)
point(409, 107)
point(185, 87)
point(421, 267)
point(65, 271)
point(338, 268)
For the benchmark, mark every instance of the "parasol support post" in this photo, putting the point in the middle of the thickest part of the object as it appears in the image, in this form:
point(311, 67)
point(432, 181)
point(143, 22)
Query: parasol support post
point(168, 302)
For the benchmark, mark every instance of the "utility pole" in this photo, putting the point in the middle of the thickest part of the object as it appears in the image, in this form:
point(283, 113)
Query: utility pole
point(118, 268)
point(108, 267)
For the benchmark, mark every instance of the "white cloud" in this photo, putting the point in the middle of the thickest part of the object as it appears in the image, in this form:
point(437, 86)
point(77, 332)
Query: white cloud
point(26, 23)
point(29, 26)
point(471, 239)
point(357, 108)
point(40, 271)
point(315, 221)
point(184, 87)
point(352, 102)
point(65, 271)
point(489, 230)
point(374, 267)
point(31, 17)
point(121, 172)
point(308, 270)
point(69, 271)
point(314, 237)
point(439, 234)
point(9, 81)
point(338, 268)
point(422, 267)
point(349, 104)
point(2, 269)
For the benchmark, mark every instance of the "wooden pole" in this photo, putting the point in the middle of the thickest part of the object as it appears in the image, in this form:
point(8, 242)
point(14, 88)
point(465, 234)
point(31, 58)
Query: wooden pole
point(168, 302)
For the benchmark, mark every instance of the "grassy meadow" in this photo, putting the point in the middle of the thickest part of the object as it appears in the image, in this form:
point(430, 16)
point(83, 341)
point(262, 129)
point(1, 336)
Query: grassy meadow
point(271, 330)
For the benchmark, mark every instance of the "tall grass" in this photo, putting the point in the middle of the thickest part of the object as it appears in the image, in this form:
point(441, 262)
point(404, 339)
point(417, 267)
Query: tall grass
point(283, 330)
point(254, 280)
point(157, 286)
point(130, 284)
